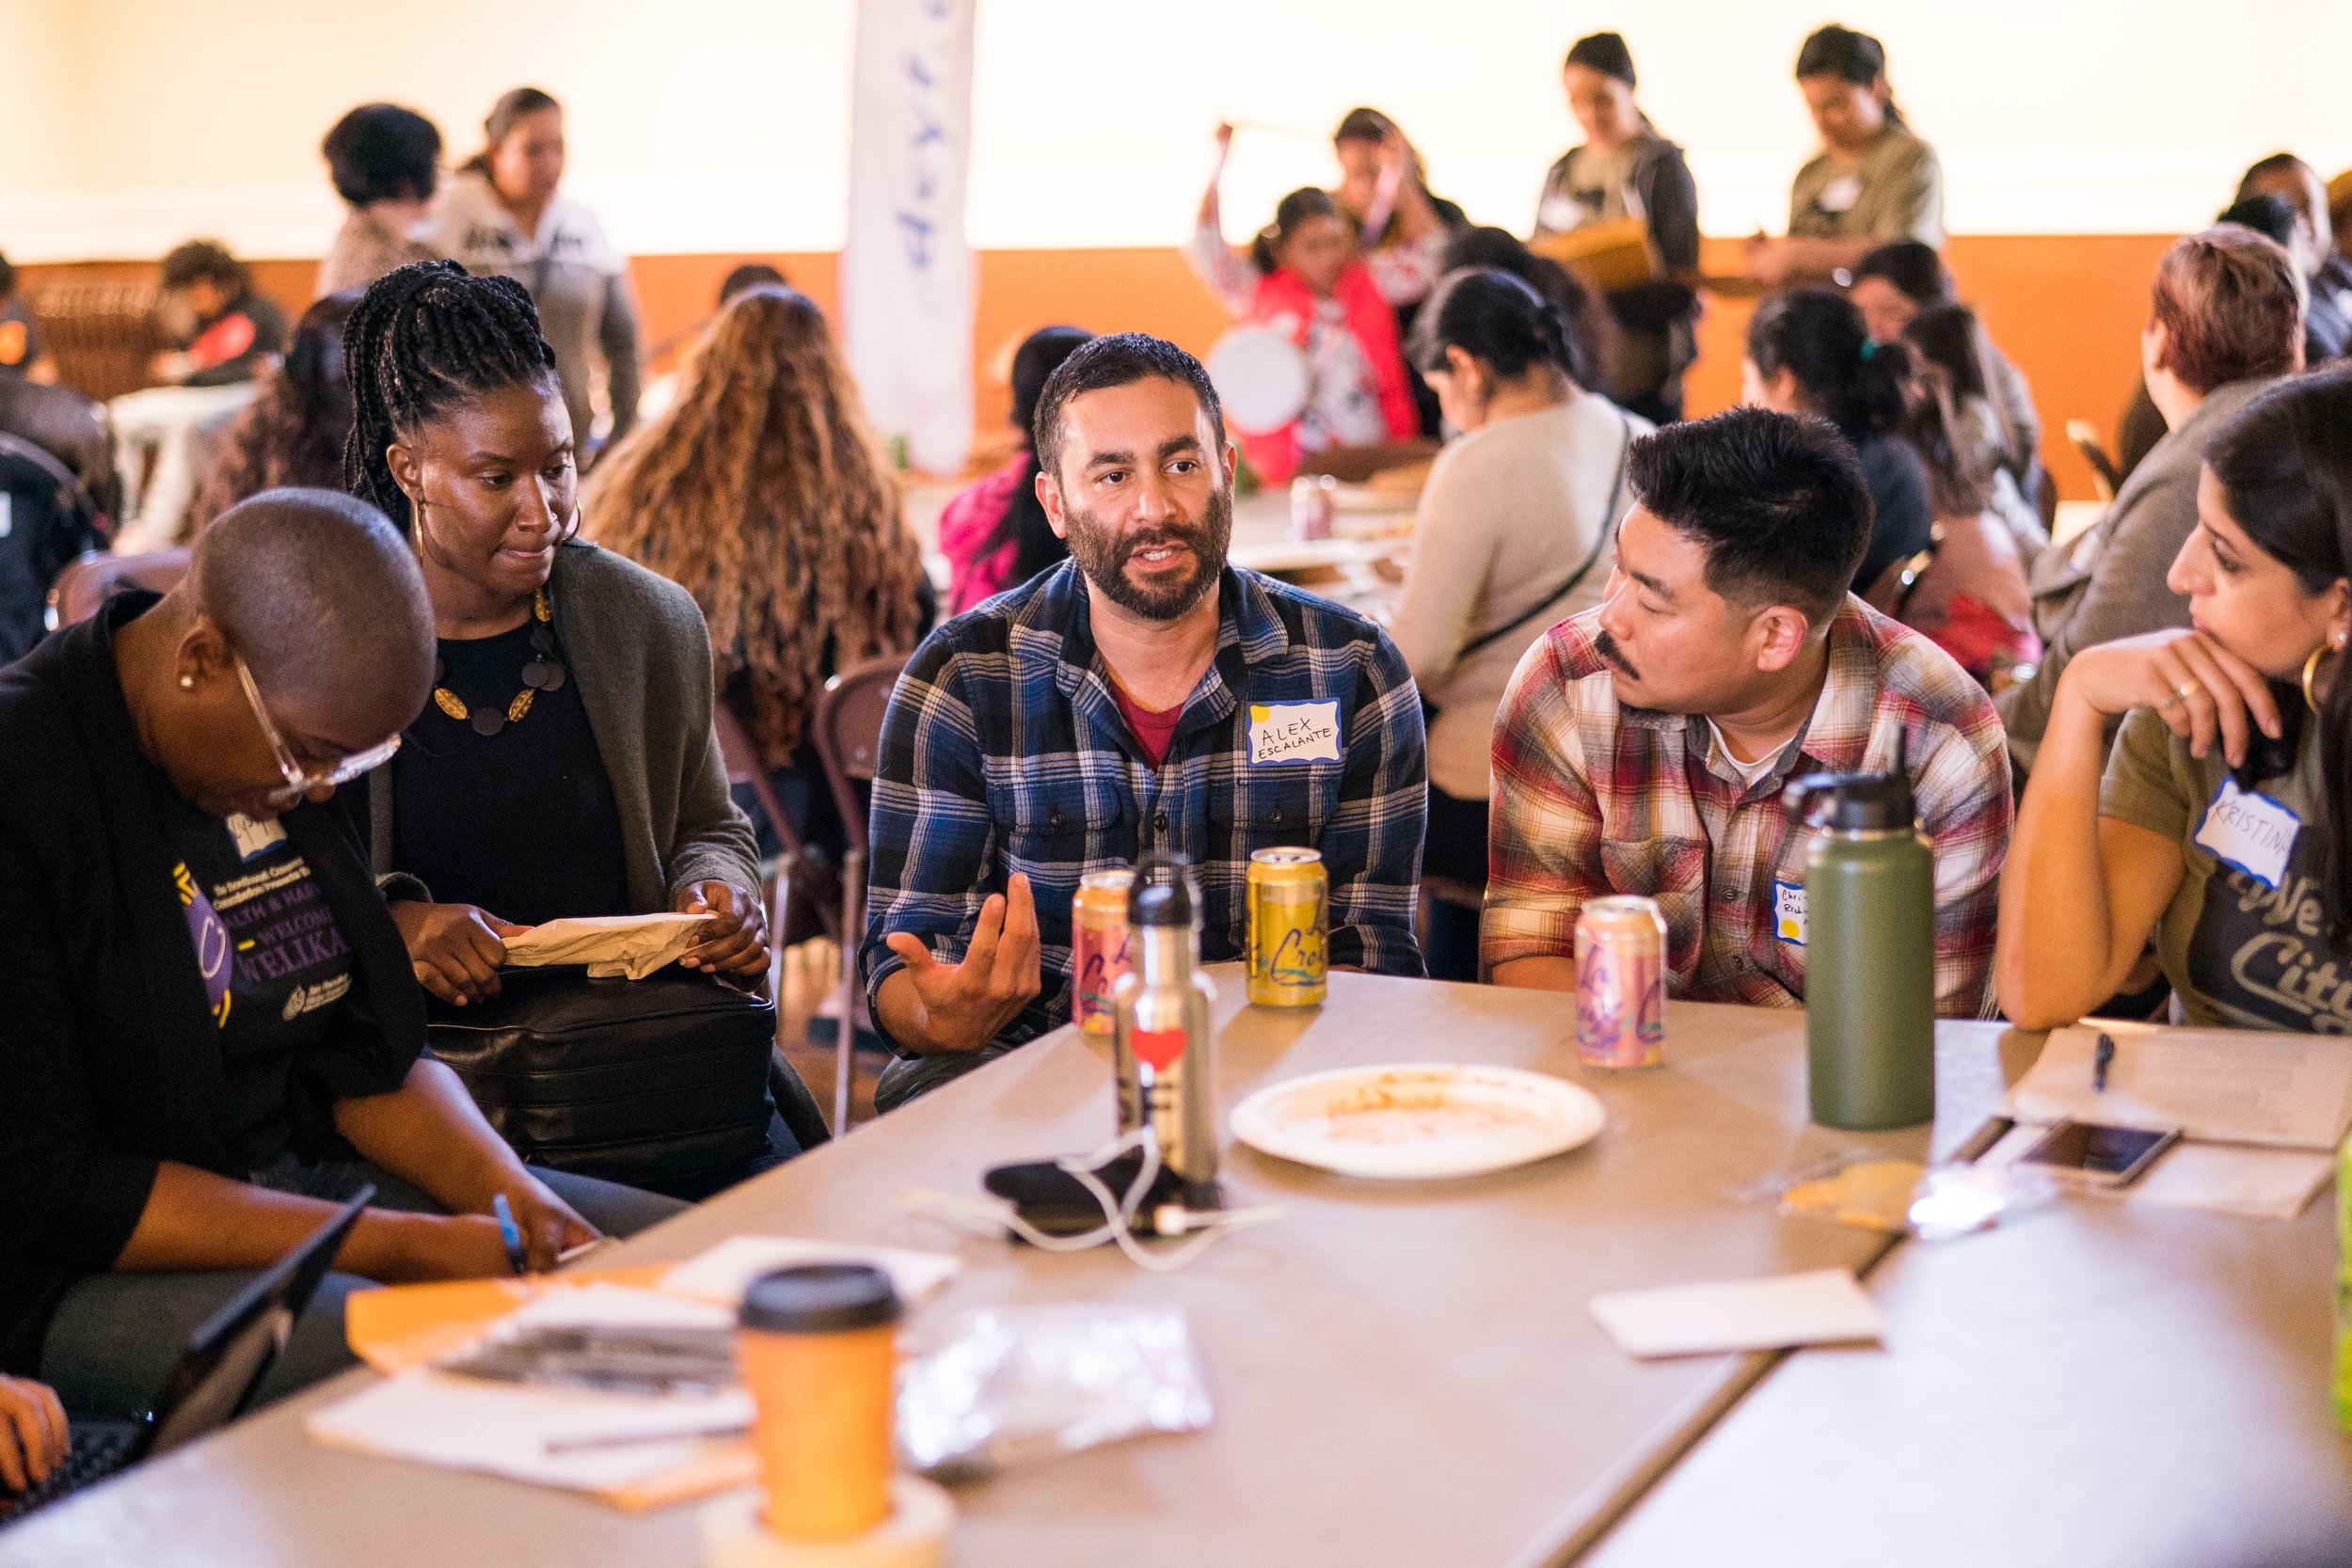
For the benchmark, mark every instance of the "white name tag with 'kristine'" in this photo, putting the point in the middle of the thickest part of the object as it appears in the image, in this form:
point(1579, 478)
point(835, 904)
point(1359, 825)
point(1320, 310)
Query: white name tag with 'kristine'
point(2251, 832)
point(1294, 732)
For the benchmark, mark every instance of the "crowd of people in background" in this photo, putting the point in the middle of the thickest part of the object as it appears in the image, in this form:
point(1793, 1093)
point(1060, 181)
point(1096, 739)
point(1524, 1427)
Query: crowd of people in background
point(466, 609)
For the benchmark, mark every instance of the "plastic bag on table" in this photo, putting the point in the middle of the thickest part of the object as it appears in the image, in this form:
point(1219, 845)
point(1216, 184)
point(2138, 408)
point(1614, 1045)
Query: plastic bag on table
point(1879, 1191)
point(1002, 1386)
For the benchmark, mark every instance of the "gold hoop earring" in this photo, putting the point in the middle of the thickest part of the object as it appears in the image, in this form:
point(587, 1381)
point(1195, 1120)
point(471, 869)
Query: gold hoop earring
point(2310, 669)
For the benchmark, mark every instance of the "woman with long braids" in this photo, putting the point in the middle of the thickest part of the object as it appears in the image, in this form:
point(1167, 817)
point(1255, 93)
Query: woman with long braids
point(764, 494)
point(2220, 827)
point(566, 765)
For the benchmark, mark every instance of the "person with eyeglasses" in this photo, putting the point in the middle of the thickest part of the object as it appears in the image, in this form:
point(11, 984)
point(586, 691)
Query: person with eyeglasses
point(211, 1029)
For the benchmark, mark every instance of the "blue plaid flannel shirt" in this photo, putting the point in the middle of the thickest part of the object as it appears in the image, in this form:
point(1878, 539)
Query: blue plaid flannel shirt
point(1004, 751)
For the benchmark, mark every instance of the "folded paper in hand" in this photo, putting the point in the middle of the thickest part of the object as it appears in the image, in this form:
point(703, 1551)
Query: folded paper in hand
point(628, 946)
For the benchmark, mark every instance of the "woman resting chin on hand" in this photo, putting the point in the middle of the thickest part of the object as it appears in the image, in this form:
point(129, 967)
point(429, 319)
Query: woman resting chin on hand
point(2218, 824)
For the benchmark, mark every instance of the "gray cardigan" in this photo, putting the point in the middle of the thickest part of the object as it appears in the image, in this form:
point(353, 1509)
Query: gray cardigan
point(2110, 582)
point(637, 646)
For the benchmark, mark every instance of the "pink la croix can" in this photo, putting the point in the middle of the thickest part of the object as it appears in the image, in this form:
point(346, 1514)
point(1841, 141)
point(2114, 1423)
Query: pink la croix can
point(1621, 983)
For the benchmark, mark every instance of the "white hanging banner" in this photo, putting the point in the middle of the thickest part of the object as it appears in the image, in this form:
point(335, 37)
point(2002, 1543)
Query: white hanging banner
point(906, 270)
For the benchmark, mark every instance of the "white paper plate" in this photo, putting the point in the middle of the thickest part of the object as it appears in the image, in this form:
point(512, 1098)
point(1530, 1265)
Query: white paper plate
point(1260, 378)
point(1420, 1120)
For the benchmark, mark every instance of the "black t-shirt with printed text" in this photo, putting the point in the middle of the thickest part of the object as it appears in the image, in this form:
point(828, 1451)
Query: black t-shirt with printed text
point(275, 963)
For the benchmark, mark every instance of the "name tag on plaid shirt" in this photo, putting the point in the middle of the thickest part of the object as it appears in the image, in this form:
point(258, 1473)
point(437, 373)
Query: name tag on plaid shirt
point(1294, 732)
point(1788, 911)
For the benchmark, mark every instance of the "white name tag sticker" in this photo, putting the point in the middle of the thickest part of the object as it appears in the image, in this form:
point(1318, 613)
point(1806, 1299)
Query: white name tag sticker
point(1789, 913)
point(252, 837)
point(1839, 194)
point(1294, 732)
point(2250, 831)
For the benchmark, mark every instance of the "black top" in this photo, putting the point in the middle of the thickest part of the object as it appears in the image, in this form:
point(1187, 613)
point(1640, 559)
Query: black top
point(239, 343)
point(522, 823)
point(273, 962)
point(70, 428)
point(1903, 520)
point(108, 1052)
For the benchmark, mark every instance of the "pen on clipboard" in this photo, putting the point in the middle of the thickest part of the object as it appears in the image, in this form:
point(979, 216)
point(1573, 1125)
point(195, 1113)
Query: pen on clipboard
point(2101, 1059)
point(516, 1255)
point(633, 1439)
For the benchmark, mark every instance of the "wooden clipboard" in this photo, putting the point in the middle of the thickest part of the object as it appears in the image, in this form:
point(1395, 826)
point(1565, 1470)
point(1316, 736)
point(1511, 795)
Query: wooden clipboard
point(1610, 256)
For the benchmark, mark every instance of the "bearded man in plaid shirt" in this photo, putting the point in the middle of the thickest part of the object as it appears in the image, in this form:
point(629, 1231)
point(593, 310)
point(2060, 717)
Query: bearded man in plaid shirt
point(1142, 695)
point(1642, 747)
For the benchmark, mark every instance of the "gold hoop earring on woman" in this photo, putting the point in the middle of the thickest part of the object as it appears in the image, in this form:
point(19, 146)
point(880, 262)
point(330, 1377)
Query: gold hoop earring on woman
point(2310, 669)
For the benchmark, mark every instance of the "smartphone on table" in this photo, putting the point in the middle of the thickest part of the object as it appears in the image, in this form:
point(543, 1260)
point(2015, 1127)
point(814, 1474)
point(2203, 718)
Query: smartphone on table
point(2097, 1155)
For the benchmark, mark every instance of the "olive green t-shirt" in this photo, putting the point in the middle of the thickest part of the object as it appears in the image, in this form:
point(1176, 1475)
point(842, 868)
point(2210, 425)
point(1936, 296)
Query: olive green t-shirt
point(1893, 191)
point(2241, 951)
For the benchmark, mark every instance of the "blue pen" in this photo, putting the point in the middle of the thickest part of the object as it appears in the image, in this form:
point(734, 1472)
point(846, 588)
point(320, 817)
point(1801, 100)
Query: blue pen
point(512, 1233)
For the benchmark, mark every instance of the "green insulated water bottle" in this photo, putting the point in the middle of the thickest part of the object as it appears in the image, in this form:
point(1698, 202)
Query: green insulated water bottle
point(1870, 950)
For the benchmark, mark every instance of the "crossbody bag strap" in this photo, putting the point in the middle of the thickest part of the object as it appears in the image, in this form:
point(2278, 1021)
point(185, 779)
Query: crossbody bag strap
point(1600, 541)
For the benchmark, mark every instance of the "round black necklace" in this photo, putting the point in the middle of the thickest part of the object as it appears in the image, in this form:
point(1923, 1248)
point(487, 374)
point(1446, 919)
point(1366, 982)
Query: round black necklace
point(544, 672)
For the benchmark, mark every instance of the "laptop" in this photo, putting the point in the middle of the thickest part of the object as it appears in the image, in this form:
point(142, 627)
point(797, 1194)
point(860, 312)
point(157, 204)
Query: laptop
point(214, 1380)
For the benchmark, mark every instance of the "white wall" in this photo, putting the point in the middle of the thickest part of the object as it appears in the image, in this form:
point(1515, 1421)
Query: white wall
point(721, 125)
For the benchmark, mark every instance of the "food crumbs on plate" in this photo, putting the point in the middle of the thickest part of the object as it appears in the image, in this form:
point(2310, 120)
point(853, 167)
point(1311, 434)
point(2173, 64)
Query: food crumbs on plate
point(1395, 1111)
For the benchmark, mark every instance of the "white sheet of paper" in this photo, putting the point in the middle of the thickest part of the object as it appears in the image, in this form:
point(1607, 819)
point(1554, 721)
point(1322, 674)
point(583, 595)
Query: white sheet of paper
point(2223, 1178)
point(722, 1274)
point(466, 1423)
point(2234, 1179)
point(1825, 1306)
point(461, 1423)
point(2217, 1086)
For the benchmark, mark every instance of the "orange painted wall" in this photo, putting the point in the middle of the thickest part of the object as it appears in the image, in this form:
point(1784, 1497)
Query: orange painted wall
point(2067, 308)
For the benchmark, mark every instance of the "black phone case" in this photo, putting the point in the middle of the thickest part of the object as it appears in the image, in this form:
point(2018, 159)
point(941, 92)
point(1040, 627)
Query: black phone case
point(1050, 1198)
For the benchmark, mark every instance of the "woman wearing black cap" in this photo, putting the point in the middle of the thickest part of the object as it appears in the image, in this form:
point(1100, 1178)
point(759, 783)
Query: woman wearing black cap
point(1873, 181)
point(1625, 169)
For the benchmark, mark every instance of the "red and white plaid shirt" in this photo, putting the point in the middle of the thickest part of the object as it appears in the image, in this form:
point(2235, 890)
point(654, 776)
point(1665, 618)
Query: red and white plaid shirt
point(1592, 798)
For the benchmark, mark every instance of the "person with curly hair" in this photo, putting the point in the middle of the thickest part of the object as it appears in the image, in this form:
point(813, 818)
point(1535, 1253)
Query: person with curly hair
point(293, 432)
point(765, 493)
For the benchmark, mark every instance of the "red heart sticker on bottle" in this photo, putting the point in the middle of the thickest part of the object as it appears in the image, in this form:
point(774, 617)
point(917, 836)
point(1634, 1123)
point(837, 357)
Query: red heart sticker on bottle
point(1158, 1047)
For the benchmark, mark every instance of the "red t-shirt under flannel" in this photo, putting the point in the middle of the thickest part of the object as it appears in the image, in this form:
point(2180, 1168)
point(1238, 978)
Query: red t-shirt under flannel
point(1152, 728)
point(1592, 798)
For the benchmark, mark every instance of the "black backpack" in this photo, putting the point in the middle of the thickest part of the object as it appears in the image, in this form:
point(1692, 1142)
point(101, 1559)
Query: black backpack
point(46, 520)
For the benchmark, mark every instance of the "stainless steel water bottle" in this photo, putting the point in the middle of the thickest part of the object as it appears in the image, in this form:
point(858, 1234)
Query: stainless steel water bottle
point(1869, 925)
point(1163, 1051)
